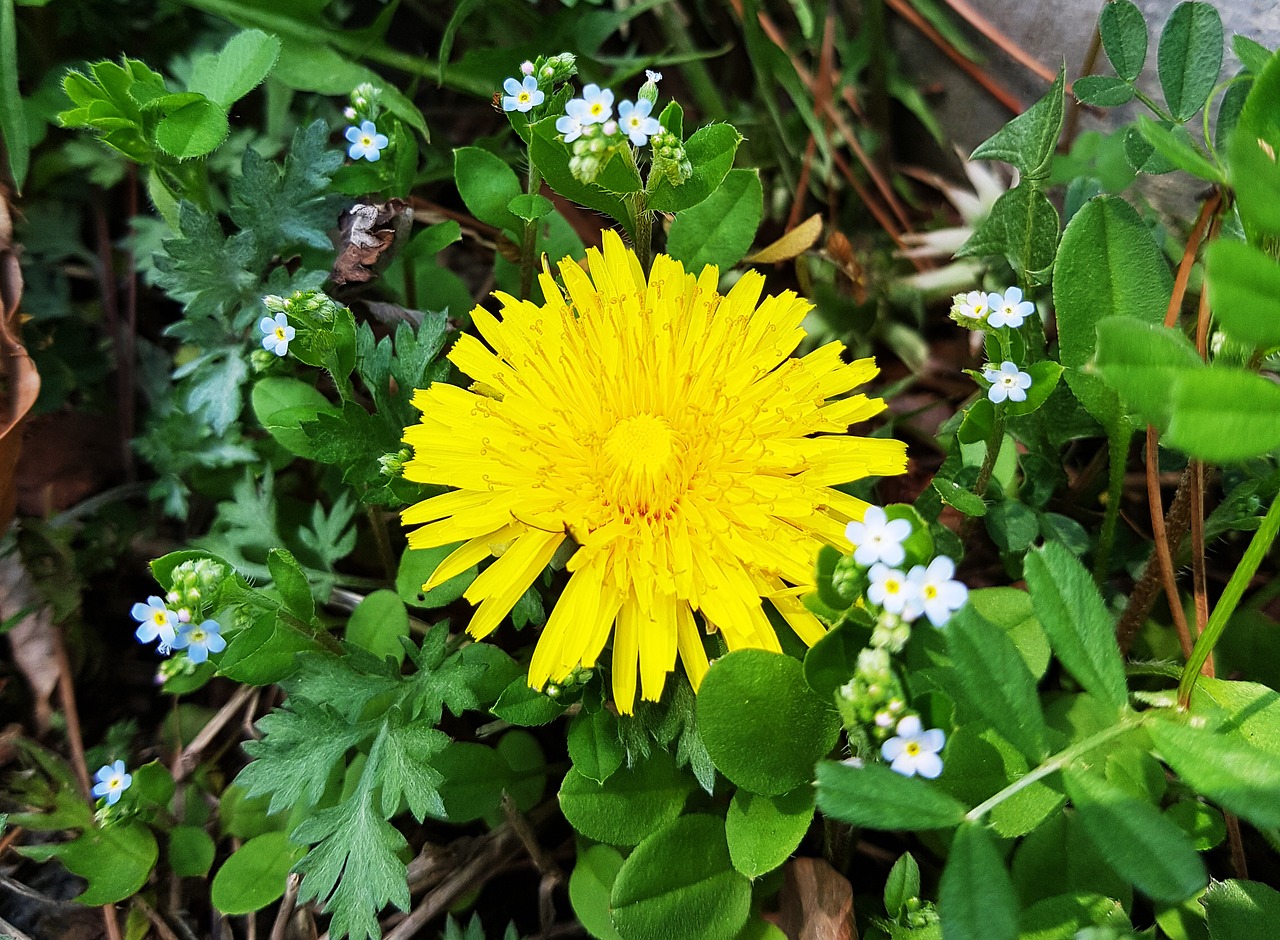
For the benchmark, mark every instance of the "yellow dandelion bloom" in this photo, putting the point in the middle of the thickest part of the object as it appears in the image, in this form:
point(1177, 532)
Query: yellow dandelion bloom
point(666, 432)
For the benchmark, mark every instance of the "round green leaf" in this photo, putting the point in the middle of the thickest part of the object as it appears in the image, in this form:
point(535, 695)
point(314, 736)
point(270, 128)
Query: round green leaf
point(256, 875)
point(590, 886)
point(191, 851)
point(1124, 37)
point(281, 405)
point(626, 807)
point(378, 623)
point(594, 745)
point(1189, 57)
point(1105, 91)
point(763, 831)
point(1202, 822)
point(763, 727)
point(416, 565)
point(679, 882)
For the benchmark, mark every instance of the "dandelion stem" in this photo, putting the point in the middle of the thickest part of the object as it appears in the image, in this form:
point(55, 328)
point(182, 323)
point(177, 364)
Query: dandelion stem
point(1054, 763)
point(1226, 606)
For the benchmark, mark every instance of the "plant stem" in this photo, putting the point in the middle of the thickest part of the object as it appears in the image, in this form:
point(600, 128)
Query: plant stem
point(1118, 444)
point(1230, 599)
point(644, 232)
point(528, 247)
point(1055, 763)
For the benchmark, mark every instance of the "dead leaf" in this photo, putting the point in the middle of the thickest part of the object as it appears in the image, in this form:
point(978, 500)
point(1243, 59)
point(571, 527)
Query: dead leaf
point(800, 239)
point(31, 639)
point(816, 902)
point(368, 235)
point(21, 381)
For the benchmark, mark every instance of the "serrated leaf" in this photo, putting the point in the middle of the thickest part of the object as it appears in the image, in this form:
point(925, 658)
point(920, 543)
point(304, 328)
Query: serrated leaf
point(1022, 227)
point(1189, 57)
point(1236, 908)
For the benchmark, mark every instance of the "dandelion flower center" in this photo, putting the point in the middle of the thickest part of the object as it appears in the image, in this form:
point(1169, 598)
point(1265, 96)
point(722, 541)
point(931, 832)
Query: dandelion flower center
point(667, 434)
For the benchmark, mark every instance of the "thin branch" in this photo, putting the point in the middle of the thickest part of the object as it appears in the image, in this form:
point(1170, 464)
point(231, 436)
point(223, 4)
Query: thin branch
point(998, 37)
point(188, 759)
point(1161, 538)
point(161, 925)
point(287, 907)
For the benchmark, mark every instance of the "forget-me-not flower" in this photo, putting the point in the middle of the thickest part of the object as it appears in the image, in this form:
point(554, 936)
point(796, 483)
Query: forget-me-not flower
point(594, 107)
point(913, 750)
point(366, 142)
point(276, 333)
point(155, 622)
point(635, 121)
point(1007, 382)
point(878, 538)
point(111, 782)
point(938, 592)
point(1009, 309)
point(522, 96)
point(200, 639)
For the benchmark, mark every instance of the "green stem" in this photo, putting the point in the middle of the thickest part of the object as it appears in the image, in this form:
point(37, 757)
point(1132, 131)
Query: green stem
point(644, 231)
point(1055, 763)
point(1227, 603)
point(1150, 103)
point(529, 245)
point(1119, 447)
point(994, 444)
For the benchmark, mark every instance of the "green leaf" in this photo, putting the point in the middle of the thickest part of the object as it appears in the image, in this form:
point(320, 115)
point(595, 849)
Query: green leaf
point(1252, 711)
point(628, 806)
point(902, 885)
point(522, 705)
point(227, 76)
point(1028, 141)
point(956, 496)
point(1189, 58)
point(418, 564)
point(1141, 361)
point(1236, 908)
point(763, 831)
point(763, 726)
point(352, 837)
point(975, 898)
point(590, 887)
point(265, 653)
point(979, 763)
point(1013, 526)
point(1044, 379)
point(527, 768)
point(1244, 290)
point(255, 875)
point(116, 861)
point(1074, 615)
point(1065, 916)
point(997, 681)
point(530, 206)
point(13, 122)
point(878, 798)
point(1202, 822)
point(1021, 227)
point(301, 743)
point(378, 623)
point(720, 229)
point(1223, 415)
point(1252, 54)
point(1059, 856)
point(291, 582)
point(710, 151)
point(193, 130)
point(281, 405)
point(290, 207)
point(472, 780)
point(551, 157)
point(1140, 843)
point(679, 882)
point(487, 185)
point(1011, 609)
point(1243, 779)
point(1124, 37)
point(1251, 152)
point(1175, 145)
point(594, 745)
point(1108, 265)
point(1103, 91)
point(408, 768)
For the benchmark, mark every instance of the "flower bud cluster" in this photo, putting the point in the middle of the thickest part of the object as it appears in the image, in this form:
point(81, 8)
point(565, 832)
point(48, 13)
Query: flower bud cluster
point(669, 157)
point(178, 619)
point(365, 104)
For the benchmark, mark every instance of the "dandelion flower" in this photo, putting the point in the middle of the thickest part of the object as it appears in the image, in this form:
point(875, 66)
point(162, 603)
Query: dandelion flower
point(663, 430)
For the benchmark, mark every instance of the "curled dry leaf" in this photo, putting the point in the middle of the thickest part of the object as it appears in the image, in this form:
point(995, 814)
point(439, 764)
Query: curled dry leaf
point(20, 382)
point(368, 236)
point(816, 902)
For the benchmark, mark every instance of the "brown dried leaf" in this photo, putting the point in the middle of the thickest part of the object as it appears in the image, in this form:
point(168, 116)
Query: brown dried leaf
point(816, 902)
point(21, 381)
point(368, 236)
point(801, 238)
